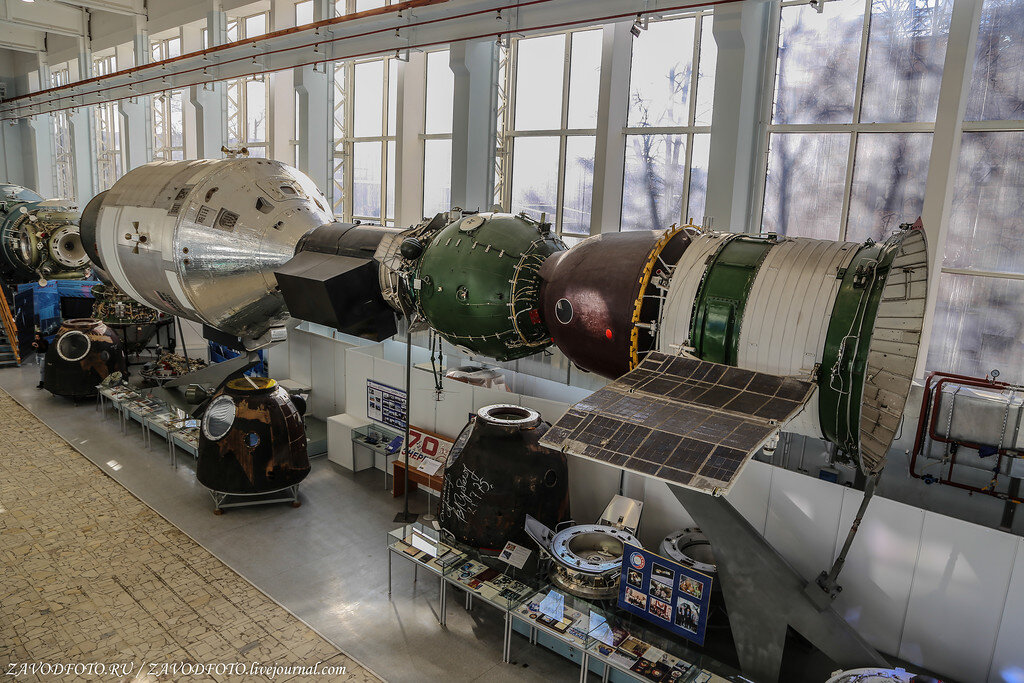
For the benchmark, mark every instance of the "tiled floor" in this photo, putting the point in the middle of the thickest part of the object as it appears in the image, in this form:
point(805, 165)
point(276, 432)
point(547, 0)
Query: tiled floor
point(325, 561)
point(92, 574)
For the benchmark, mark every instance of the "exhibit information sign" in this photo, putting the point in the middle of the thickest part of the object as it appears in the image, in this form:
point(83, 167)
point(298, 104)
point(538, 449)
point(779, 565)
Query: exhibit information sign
point(666, 593)
point(385, 404)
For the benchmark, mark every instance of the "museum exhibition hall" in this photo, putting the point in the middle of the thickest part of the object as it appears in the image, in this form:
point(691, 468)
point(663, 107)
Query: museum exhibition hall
point(512, 340)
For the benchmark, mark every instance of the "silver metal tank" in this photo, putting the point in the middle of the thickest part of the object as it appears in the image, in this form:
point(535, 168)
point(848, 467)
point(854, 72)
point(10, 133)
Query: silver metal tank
point(201, 239)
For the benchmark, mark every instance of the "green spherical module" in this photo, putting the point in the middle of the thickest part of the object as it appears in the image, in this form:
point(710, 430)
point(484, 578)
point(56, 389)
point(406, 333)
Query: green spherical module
point(479, 284)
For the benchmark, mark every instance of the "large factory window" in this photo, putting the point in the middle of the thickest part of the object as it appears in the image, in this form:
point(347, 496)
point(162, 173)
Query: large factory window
point(168, 131)
point(350, 6)
point(979, 321)
point(248, 97)
point(856, 93)
point(437, 143)
point(668, 125)
point(109, 160)
point(365, 109)
point(552, 128)
point(64, 160)
point(304, 12)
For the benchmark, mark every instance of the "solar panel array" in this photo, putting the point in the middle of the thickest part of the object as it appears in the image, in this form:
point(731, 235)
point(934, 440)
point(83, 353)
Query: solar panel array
point(681, 420)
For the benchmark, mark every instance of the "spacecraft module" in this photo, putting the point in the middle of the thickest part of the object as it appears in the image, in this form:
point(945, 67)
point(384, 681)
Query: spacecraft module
point(84, 351)
point(497, 474)
point(762, 332)
point(201, 239)
point(251, 440)
point(38, 238)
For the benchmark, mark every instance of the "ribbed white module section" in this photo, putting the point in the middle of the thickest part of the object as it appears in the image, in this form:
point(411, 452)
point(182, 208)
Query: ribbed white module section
point(688, 274)
point(787, 313)
point(892, 354)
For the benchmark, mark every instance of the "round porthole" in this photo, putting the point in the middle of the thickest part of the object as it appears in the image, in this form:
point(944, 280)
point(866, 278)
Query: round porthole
point(563, 311)
point(219, 417)
point(252, 439)
point(73, 346)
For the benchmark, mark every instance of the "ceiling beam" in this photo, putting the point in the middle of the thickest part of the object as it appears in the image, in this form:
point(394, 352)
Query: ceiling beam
point(415, 25)
point(128, 7)
point(21, 40)
point(44, 15)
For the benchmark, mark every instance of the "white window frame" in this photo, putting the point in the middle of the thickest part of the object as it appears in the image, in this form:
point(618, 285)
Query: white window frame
point(853, 129)
point(108, 150)
point(429, 136)
point(504, 161)
point(689, 130)
point(343, 83)
point(236, 92)
point(163, 149)
point(63, 148)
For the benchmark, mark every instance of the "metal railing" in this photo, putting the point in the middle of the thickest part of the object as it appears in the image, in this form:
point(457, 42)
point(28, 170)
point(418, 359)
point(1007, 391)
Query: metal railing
point(10, 327)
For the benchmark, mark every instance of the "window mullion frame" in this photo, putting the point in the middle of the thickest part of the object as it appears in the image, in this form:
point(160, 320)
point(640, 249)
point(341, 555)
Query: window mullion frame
point(684, 204)
point(858, 99)
point(563, 136)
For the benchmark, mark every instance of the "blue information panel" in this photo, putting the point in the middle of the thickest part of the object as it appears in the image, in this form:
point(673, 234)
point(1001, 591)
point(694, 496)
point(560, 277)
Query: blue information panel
point(385, 404)
point(669, 594)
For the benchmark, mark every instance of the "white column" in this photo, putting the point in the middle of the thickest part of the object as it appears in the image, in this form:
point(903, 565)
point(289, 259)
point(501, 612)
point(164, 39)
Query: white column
point(945, 155)
point(41, 132)
point(81, 125)
point(740, 32)
point(282, 92)
point(136, 113)
point(475, 65)
point(210, 100)
point(612, 105)
point(410, 126)
point(315, 88)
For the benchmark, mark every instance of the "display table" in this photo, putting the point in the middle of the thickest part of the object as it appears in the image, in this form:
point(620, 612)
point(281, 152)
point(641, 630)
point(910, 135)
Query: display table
point(598, 636)
point(433, 482)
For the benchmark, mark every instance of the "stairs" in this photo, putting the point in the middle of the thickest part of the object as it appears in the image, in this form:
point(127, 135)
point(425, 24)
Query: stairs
point(9, 355)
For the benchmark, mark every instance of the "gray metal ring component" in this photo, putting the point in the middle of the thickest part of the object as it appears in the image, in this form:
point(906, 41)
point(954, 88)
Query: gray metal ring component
point(690, 547)
point(219, 417)
point(592, 548)
point(509, 415)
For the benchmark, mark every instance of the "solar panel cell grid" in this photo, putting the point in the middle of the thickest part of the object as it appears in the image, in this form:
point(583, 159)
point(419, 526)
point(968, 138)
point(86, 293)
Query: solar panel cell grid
point(681, 420)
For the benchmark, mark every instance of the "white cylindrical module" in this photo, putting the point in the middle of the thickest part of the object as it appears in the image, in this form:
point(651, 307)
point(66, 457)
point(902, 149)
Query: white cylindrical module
point(845, 315)
point(201, 239)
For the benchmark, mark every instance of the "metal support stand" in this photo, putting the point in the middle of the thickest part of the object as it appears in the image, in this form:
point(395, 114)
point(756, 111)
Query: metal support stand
point(249, 499)
point(406, 517)
point(823, 590)
point(764, 595)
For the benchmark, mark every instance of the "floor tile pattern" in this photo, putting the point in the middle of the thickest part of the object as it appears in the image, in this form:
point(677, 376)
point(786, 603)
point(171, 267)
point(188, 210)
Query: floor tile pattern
point(91, 574)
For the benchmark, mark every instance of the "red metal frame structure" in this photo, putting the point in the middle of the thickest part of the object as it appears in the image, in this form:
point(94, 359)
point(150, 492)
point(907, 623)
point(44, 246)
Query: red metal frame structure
point(929, 417)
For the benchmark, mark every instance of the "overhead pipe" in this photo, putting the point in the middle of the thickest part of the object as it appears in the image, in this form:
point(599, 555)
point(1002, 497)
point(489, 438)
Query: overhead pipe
point(7, 115)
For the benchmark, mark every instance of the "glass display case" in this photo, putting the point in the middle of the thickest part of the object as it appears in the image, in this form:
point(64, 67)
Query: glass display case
point(640, 650)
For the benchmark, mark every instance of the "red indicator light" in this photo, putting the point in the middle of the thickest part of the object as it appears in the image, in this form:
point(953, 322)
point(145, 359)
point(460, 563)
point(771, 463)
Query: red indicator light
point(608, 333)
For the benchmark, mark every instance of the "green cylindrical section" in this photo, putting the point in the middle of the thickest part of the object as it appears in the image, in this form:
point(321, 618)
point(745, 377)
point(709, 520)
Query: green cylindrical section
point(479, 284)
point(845, 357)
point(722, 297)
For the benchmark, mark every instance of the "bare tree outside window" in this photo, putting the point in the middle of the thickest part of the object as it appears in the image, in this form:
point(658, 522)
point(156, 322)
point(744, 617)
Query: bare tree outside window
point(668, 123)
point(852, 119)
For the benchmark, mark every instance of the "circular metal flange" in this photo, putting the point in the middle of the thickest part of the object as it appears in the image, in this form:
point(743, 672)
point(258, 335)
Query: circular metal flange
point(509, 415)
point(73, 346)
point(692, 548)
point(591, 548)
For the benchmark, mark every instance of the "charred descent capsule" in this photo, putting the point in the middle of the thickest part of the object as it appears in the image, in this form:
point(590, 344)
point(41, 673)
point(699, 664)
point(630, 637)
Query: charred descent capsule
point(201, 239)
point(84, 351)
point(38, 238)
point(479, 284)
point(497, 473)
point(251, 440)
